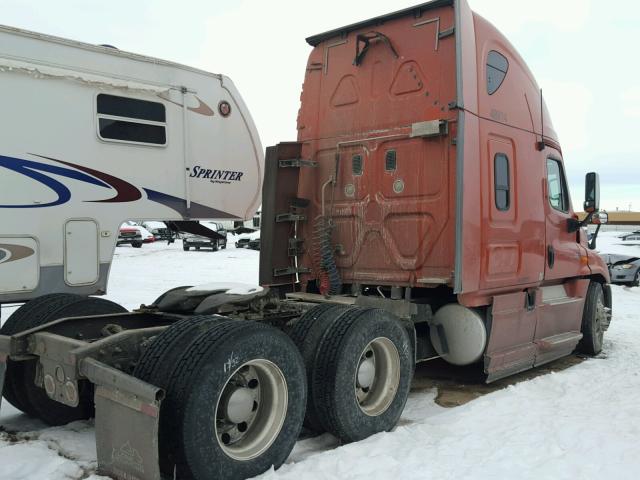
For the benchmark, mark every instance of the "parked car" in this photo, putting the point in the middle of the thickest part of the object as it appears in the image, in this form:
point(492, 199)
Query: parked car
point(146, 235)
point(196, 241)
point(623, 269)
point(631, 237)
point(159, 230)
point(243, 243)
point(129, 235)
point(254, 244)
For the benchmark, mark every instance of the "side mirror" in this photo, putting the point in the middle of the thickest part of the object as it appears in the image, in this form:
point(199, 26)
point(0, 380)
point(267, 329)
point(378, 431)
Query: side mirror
point(600, 218)
point(591, 192)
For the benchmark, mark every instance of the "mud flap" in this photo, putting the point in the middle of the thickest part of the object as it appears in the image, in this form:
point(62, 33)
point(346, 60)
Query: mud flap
point(279, 191)
point(127, 419)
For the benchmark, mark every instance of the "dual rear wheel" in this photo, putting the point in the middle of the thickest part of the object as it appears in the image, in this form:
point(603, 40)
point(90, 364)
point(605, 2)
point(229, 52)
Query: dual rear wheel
point(235, 397)
point(359, 365)
point(237, 391)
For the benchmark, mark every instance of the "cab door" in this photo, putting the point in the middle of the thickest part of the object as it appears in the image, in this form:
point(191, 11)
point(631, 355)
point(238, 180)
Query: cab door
point(560, 311)
point(562, 248)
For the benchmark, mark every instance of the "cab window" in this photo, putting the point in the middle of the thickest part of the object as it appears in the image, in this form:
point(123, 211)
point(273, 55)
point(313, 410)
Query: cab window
point(501, 181)
point(497, 67)
point(557, 185)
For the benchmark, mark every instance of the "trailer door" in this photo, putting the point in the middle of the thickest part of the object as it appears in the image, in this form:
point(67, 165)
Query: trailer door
point(81, 252)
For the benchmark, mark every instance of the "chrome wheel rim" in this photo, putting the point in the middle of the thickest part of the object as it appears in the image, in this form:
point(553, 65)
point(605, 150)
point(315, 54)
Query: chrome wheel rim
point(377, 376)
point(251, 409)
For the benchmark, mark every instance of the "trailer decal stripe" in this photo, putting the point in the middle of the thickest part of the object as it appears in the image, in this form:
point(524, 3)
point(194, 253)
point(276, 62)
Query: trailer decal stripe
point(32, 170)
point(16, 252)
point(125, 191)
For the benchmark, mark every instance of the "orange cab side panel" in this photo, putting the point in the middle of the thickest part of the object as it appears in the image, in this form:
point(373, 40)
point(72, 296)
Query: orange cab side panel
point(513, 239)
point(509, 245)
point(393, 202)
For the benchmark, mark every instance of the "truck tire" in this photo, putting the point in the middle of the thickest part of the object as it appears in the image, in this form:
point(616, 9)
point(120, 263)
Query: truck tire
point(157, 363)
point(363, 374)
point(307, 333)
point(237, 396)
point(20, 389)
point(185, 248)
point(594, 318)
point(24, 319)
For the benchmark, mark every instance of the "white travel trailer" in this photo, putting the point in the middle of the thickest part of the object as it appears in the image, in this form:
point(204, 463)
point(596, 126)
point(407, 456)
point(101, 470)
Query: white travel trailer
point(92, 136)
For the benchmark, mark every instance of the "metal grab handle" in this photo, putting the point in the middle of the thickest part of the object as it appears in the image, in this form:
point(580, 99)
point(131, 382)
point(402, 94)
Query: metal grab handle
point(366, 39)
point(551, 256)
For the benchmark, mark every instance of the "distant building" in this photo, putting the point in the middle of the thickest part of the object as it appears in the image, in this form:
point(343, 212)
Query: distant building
point(619, 218)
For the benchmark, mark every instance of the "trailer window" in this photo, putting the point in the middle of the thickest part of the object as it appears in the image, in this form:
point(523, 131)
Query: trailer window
point(497, 66)
point(557, 186)
point(131, 120)
point(501, 181)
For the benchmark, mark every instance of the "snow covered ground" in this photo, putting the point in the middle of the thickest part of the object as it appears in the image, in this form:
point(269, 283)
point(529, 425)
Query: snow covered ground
point(581, 422)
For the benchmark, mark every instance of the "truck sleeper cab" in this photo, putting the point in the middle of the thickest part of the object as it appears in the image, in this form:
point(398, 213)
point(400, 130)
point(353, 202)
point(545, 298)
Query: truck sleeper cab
point(427, 172)
point(422, 212)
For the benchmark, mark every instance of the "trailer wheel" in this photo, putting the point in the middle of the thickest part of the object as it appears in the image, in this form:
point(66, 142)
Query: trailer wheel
point(307, 333)
point(237, 395)
point(20, 389)
point(23, 319)
point(136, 244)
point(594, 321)
point(363, 374)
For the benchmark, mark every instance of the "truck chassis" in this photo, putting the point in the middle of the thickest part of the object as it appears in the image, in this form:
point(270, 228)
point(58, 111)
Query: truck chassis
point(342, 364)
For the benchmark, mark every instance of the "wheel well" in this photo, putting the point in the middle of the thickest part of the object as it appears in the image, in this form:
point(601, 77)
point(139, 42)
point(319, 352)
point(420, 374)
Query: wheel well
point(606, 289)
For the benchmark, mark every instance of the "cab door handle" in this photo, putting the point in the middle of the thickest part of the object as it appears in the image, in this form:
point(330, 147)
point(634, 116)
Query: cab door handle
point(551, 256)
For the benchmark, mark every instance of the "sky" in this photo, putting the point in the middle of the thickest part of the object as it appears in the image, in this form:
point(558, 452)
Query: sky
point(583, 54)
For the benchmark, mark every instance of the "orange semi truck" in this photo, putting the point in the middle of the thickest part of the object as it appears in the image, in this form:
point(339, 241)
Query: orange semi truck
point(422, 213)
point(434, 178)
